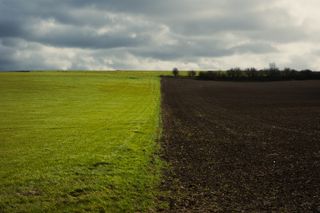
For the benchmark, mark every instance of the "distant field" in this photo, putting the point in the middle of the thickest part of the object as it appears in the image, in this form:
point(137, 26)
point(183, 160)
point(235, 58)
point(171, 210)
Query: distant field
point(79, 141)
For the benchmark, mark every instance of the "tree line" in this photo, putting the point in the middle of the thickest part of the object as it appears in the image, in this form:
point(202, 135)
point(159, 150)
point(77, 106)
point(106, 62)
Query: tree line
point(252, 74)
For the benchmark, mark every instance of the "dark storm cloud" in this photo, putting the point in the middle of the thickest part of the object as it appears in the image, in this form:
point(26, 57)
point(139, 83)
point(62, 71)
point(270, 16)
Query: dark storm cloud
point(10, 28)
point(112, 33)
point(6, 60)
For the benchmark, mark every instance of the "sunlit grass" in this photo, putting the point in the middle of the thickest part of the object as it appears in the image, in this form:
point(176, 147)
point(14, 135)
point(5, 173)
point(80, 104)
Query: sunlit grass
point(79, 141)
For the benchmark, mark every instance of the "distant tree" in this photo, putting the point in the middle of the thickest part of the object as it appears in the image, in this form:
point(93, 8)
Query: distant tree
point(175, 72)
point(234, 73)
point(192, 73)
point(251, 73)
point(305, 74)
point(273, 73)
point(273, 66)
point(289, 74)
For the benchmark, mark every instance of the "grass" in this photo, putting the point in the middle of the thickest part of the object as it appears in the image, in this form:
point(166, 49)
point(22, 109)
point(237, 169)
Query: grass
point(79, 141)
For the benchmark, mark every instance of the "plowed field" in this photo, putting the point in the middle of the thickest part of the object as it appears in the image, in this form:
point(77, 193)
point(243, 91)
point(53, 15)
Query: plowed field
point(241, 146)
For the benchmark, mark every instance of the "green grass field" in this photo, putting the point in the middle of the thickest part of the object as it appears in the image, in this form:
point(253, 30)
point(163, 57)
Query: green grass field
point(79, 141)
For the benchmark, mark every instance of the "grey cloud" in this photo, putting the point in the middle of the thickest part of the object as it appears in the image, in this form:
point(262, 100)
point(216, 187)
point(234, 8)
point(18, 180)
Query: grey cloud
point(86, 39)
point(122, 34)
point(10, 28)
point(7, 61)
point(188, 48)
point(258, 48)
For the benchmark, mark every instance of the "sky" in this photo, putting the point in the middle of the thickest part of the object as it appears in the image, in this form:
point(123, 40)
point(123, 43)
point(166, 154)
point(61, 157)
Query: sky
point(158, 35)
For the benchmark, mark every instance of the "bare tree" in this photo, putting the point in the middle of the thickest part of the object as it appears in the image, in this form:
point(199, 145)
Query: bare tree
point(273, 66)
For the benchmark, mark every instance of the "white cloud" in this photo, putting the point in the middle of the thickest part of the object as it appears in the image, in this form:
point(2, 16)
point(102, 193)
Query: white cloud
point(189, 34)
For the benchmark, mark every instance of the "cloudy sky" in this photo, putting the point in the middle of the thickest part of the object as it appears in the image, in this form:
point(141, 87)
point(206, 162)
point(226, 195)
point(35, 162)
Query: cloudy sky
point(151, 34)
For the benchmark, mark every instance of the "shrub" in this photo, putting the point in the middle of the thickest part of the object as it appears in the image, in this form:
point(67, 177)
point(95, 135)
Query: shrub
point(192, 73)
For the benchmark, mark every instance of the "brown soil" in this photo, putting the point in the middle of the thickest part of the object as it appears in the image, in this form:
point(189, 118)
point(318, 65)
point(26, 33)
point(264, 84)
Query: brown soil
point(236, 146)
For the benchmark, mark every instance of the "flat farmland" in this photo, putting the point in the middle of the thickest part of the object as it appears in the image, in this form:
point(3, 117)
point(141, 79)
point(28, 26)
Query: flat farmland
point(241, 146)
point(79, 141)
